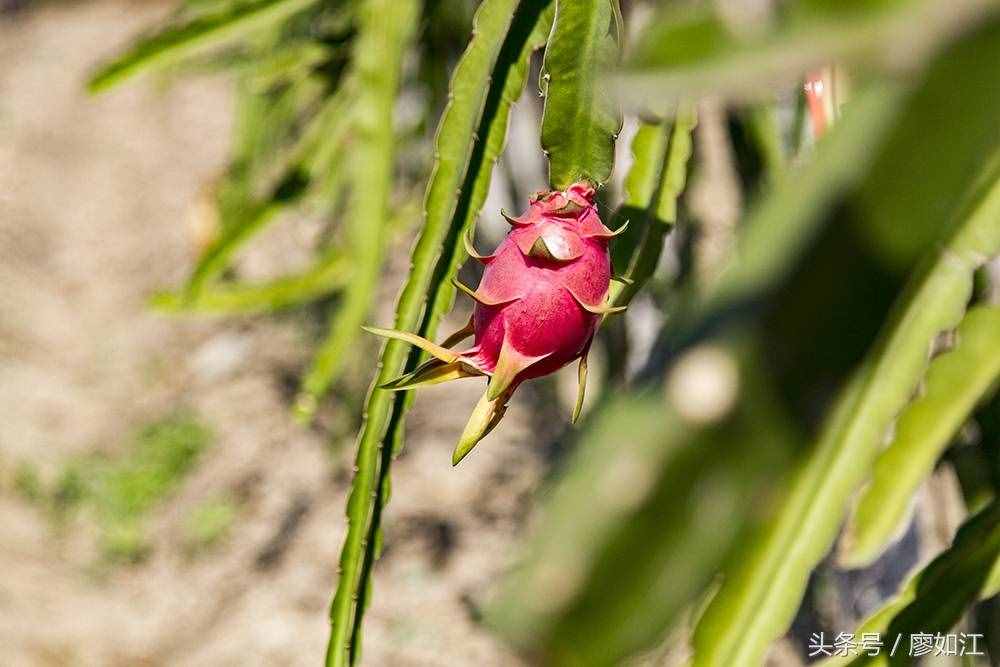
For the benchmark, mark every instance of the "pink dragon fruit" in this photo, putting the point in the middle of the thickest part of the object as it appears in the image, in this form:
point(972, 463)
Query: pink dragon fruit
point(537, 307)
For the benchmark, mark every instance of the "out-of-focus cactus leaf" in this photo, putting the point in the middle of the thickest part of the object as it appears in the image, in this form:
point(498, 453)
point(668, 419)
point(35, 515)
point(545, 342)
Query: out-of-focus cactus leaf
point(934, 599)
point(943, 144)
point(470, 136)
point(272, 122)
point(253, 217)
point(644, 515)
point(311, 163)
point(661, 212)
point(322, 143)
point(689, 50)
point(762, 121)
point(290, 62)
point(674, 176)
point(329, 274)
point(788, 218)
point(649, 146)
point(581, 118)
point(379, 50)
point(955, 382)
point(759, 596)
point(977, 464)
point(205, 32)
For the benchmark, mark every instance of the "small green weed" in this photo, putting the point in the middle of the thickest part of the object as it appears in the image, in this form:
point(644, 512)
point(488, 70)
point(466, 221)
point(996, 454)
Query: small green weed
point(208, 524)
point(119, 491)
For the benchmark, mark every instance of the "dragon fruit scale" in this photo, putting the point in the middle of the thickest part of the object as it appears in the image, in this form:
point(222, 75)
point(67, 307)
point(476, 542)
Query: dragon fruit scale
point(537, 307)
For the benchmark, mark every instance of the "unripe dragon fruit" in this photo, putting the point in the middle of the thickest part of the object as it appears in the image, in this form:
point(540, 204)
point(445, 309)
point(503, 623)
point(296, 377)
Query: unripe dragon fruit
point(537, 307)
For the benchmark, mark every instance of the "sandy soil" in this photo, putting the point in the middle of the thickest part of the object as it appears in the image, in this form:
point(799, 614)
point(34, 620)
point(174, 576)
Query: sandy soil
point(95, 198)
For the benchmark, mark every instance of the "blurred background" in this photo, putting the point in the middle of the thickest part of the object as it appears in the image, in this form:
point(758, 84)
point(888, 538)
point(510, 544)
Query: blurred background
point(172, 487)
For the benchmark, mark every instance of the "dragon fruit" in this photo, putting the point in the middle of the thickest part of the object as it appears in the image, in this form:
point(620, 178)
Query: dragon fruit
point(537, 307)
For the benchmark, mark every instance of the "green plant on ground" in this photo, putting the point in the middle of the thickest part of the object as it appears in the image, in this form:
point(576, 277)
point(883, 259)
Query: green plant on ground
point(118, 491)
point(209, 523)
point(26, 481)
